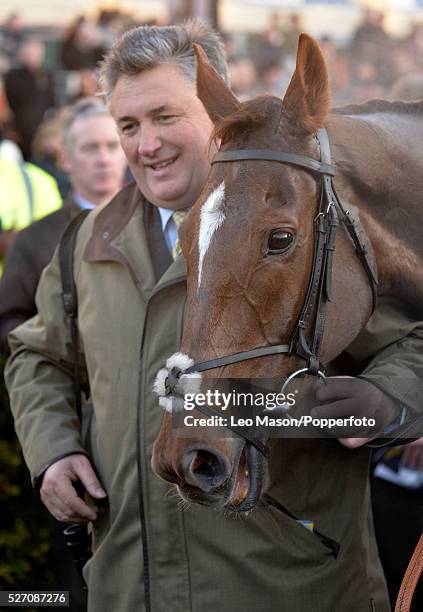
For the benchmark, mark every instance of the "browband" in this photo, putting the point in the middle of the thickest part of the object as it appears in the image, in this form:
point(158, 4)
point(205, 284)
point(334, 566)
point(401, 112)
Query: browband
point(278, 156)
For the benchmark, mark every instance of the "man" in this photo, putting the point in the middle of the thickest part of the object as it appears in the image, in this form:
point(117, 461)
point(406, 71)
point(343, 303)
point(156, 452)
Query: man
point(147, 554)
point(29, 92)
point(96, 164)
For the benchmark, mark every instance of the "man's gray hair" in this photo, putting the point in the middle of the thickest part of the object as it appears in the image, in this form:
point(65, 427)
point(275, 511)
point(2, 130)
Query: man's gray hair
point(86, 107)
point(146, 47)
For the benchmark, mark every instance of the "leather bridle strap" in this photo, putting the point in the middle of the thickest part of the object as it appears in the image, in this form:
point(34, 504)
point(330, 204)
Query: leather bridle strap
point(278, 156)
point(315, 299)
point(280, 349)
point(347, 219)
point(320, 285)
point(350, 225)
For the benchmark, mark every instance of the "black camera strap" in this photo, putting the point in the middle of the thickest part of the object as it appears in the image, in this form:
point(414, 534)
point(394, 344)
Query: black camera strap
point(76, 535)
point(70, 298)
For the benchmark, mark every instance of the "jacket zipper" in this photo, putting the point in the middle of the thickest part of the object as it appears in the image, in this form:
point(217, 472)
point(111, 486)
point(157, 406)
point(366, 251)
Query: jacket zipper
point(146, 561)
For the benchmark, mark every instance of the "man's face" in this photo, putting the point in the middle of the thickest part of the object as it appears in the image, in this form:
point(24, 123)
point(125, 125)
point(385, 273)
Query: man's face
point(94, 158)
point(164, 131)
point(32, 54)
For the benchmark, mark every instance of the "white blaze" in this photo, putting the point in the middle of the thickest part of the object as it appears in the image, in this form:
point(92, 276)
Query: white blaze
point(211, 218)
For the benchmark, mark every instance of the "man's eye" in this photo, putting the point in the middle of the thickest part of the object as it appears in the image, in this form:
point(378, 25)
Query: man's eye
point(280, 241)
point(165, 118)
point(127, 128)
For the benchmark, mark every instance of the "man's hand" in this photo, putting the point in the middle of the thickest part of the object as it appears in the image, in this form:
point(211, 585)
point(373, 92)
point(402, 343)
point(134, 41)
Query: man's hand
point(412, 455)
point(58, 492)
point(345, 396)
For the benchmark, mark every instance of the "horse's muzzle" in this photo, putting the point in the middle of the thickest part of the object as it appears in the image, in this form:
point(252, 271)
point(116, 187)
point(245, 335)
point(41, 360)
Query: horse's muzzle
point(208, 477)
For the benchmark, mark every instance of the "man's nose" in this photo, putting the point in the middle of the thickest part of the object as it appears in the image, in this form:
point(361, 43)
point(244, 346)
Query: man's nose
point(149, 142)
point(105, 156)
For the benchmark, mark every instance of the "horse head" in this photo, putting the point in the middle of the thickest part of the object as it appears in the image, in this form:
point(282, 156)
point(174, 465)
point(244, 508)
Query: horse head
point(249, 244)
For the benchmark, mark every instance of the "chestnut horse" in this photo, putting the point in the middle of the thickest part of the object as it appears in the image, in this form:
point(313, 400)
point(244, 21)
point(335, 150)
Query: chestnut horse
point(250, 245)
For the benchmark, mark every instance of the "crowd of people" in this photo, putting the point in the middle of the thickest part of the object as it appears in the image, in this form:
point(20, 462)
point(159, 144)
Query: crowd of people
point(60, 154)
point(371, 64)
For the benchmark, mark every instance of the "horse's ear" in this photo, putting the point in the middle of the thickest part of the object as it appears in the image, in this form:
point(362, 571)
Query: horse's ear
point(307, 98)
point(217, 98)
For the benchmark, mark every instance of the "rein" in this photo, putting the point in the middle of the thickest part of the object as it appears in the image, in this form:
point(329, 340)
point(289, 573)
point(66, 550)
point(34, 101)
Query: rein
point(410, 579)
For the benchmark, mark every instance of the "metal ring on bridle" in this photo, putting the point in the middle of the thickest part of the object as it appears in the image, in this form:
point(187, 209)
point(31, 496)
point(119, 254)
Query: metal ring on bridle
point(285, 406)
point(295, 374)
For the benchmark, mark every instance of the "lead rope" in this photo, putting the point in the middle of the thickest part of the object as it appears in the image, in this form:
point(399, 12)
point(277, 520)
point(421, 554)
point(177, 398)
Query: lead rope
point(77, 538)
point(410, 580)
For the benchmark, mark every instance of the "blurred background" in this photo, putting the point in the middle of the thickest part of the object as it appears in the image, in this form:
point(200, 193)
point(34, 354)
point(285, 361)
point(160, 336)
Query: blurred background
point(369, 44)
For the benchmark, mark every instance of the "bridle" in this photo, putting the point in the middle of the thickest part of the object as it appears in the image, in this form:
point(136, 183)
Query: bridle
point(319, 292)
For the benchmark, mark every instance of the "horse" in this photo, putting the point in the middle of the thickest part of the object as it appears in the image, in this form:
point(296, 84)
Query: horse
point(248, 240)
point(267, 296)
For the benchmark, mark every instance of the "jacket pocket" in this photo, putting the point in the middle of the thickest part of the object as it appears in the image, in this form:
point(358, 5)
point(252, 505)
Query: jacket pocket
point(310, 536)
point(100, 527)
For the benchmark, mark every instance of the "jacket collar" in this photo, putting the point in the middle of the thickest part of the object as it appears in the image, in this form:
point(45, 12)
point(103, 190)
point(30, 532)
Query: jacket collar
point(119, 235)
point(112, 219)
point(70, 207)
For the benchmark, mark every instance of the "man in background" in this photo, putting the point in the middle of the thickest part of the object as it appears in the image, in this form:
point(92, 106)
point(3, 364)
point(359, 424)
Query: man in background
point(29, 91)
point(27, 193)
point(93, 157)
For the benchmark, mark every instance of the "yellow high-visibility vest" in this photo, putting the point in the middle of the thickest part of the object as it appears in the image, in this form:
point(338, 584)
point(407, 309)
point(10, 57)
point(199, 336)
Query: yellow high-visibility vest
point(27, 193)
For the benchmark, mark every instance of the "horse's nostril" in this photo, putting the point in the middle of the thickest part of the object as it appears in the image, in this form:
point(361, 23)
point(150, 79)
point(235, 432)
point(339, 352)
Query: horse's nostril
point(205, 464)
point(204, 469)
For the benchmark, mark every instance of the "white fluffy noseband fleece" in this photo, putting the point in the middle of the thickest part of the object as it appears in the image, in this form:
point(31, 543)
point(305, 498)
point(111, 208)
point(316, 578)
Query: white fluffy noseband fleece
point(188, 383)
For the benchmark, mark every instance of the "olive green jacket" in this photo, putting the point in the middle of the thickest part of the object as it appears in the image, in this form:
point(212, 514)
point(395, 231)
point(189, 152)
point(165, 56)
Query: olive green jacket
point(149, 553)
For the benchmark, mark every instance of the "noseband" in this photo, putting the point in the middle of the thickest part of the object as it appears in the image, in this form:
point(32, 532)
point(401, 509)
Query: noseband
point(330, 213)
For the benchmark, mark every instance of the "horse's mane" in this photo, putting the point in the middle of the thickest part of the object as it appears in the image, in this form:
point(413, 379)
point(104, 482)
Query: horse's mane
point(380, 106)
point(254, 113)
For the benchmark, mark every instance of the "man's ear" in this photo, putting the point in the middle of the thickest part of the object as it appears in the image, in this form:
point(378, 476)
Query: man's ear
point(63, 159)
point(217, 98)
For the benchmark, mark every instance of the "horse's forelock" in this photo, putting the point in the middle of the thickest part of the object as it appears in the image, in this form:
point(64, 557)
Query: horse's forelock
point(251, 116)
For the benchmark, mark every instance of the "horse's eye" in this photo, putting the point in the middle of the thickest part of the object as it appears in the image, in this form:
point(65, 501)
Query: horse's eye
point(280, 241)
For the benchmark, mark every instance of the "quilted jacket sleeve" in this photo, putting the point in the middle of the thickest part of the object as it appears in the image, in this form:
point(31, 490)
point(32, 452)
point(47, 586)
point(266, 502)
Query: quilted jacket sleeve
point(39, 379)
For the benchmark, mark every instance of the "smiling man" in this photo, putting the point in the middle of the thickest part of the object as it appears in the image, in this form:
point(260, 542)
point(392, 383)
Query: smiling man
point(164, 131)
point(147, 553)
